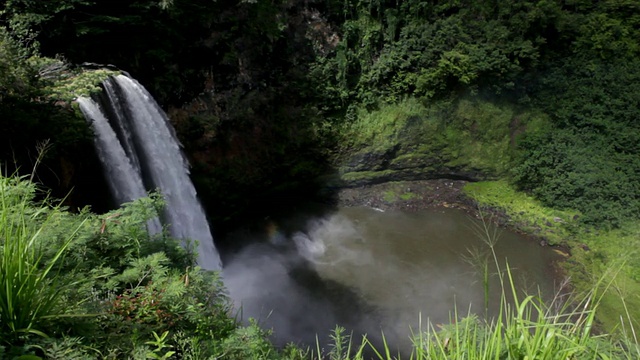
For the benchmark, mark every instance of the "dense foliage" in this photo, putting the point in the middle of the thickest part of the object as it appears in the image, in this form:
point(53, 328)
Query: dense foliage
point(171, 46)
point(230, 74)
point(576, 61)
point(35, 114)
point(270, 68)
point(589, 159)
point(98, 286)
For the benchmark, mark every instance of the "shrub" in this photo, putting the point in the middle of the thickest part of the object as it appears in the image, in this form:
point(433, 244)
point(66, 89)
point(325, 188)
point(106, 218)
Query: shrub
point(30, 289)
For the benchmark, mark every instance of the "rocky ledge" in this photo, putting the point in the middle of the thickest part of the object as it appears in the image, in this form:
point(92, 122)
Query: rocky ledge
point(407, 195)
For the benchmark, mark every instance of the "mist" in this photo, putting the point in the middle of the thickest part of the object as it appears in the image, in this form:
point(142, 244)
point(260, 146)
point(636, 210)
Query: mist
point(366, 270)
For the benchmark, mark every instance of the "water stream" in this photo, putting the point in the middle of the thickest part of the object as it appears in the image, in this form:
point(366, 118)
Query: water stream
point(140, 152)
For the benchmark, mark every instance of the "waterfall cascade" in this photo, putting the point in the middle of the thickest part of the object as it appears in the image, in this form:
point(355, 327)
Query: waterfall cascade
point(140, 151)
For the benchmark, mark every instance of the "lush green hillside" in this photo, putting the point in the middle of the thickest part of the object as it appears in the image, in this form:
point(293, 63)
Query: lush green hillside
point(576, 62)
point(283, 77)
point(540, 94)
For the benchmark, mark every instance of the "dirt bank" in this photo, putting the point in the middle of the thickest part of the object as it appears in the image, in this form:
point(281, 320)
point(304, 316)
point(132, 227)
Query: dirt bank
point(407, 195)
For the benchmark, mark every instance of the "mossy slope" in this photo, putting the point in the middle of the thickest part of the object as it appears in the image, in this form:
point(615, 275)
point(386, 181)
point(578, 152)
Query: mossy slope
point(471, 138)
point(594, 252)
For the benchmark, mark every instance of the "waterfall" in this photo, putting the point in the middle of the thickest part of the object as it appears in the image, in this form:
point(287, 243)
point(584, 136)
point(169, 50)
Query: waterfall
point(140, 151)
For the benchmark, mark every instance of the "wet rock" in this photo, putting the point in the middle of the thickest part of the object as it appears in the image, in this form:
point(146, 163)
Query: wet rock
point(406, 195)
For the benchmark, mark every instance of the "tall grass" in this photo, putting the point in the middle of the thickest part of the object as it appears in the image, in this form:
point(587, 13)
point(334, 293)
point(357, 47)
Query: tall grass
point(525, 327)
point(30, 288)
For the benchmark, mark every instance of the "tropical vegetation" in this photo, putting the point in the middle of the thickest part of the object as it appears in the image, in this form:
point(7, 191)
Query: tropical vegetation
point(87, 286)
point(538, 98)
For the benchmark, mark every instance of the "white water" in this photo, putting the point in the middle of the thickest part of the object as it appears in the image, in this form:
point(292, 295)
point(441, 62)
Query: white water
point(127, 185)
point(121, 124)
point(147, 156)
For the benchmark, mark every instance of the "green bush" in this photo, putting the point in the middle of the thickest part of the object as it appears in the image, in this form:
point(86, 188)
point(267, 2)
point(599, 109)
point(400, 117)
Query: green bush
point(589, 160)
point(31, 290)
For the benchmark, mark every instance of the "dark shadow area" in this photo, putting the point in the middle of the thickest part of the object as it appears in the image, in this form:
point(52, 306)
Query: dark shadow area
point(68, 167)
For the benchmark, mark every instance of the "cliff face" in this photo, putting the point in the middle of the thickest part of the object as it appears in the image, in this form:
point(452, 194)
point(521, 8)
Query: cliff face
point(251, 134)
point(261, 132)
point(468, 139)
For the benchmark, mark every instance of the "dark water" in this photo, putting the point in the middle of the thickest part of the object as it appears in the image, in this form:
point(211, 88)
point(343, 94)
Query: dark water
point(372, 272)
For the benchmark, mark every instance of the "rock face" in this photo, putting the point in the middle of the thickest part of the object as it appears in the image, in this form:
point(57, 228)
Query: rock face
point(367, 168)
point(407, 195)
point(469, 140)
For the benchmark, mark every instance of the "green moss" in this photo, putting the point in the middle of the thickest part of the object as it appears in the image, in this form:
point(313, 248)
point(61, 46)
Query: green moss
point(523, 210)
point(382, 128)
point(366, 175)
point(408, 196)
point(594, 252)
point(71, 85)
point(390, 196)
point(471, 134)
point(398, 191)
point(481, 133)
